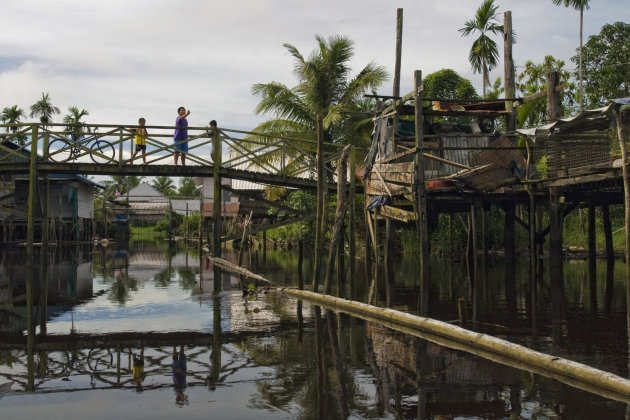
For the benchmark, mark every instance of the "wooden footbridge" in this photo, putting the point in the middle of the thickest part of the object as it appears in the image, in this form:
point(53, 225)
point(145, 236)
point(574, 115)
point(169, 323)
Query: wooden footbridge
point(436, 167)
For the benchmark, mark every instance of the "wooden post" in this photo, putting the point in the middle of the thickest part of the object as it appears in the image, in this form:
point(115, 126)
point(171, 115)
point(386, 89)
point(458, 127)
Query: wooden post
point(299, 263)
point(421, 201)
point(32, 185)
point(626, 188)
point(341, 263)
point(342, 207)
point(610, 252)
point(508, 70)
point(554, 107)
point(532, 243)
point(200, 233)
point(510, 255)
point(264, 245)
point(399, 30)
point(216, 206)
point(592, 263)
point(30, 263)
point(389, 228)
point(555, 237)
point(352, 224)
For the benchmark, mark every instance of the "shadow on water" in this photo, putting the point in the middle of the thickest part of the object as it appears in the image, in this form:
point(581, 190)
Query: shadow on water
point(136, 328)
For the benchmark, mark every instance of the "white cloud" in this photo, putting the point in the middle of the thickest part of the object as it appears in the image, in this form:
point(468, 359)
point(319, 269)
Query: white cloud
point(122, 59)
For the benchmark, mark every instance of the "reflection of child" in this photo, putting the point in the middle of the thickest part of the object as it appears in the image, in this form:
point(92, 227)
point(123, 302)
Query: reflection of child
point(141, 140)
point(138, 370)
point(179, 375)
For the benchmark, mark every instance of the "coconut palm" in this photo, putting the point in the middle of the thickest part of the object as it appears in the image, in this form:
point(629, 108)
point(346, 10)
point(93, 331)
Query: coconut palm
point(484, 52)
point(74, 126)
point(44, 109)
point(164, 185)
point(580, 5)
point(325, 90)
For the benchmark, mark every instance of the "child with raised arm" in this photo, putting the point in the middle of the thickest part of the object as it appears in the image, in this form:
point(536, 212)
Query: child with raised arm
point(141, 140)
point(181, 134)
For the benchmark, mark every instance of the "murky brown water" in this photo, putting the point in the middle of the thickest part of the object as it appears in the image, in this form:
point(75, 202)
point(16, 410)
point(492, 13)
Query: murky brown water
point(270, 356)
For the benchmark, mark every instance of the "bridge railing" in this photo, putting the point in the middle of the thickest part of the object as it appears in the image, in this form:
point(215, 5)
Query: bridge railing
point(115, 144)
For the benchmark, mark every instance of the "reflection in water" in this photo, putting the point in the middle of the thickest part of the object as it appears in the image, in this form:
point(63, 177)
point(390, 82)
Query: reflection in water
point(143, 317)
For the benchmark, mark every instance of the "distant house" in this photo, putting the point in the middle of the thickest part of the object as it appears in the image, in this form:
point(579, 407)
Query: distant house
point(145, 203)
point(70, 206)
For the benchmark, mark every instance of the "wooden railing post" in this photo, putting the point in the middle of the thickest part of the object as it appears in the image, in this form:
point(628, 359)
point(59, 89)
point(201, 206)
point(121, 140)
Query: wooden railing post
point(216, 206)
point(30, 263)
point(120, 148)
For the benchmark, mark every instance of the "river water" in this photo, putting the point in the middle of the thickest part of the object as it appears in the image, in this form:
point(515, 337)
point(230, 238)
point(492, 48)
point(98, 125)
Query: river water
point(98, 311)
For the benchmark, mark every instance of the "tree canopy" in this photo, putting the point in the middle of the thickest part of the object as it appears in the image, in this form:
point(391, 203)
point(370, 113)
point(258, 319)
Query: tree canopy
point(606, 60)
point(44, 109)
point(448, 84)
point(533, 79)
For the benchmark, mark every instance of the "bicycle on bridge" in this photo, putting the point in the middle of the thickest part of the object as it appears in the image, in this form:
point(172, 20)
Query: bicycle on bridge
point(62, 150)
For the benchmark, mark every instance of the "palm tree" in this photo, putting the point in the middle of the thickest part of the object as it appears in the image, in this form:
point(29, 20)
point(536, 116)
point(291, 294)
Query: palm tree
point(44, 109)
point(484, 52)
point(164, 185)
point(12, 115)
point(75, 127)
point(580, 5)
point(324, 92)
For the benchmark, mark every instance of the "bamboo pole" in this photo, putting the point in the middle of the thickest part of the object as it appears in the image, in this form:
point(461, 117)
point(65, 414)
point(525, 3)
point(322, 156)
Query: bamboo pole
point(570, 372)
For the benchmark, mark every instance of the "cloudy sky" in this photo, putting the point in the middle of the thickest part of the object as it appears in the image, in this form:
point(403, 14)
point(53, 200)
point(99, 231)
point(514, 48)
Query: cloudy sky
point(121, 59)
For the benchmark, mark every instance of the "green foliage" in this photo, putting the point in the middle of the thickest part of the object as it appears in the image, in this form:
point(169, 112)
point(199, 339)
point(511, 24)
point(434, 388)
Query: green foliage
point(75, 127)
point(448, 84)
point(187, 188)
point(164, 185)
point(532, 80)
point(172, 220)
point(189, 225)
point(13, 115)
point(541, 168)
point(44, 109)
point(299, 200)
point(575, 233)
point(606, 62)
point(325, 92)
point(120, 183)
point(484, 52)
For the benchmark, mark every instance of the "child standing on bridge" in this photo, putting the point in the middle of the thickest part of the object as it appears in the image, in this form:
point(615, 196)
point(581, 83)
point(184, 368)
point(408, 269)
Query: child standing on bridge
point(181, 134)
point(141, 140)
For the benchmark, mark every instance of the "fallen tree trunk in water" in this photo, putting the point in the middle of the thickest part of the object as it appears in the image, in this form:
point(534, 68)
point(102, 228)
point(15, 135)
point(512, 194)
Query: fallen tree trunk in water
point(566, 371)
point(233, 268)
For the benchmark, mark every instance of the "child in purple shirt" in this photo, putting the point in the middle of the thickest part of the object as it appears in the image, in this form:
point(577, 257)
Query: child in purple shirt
point(181, 134)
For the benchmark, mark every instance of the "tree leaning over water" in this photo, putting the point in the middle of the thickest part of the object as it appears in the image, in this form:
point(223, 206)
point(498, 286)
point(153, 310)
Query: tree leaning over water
point(484, 52)
point(44, 109)
point(325, 90)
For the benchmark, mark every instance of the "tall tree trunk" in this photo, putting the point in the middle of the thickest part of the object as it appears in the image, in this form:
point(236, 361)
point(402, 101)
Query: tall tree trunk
point(581, 89)
point(321, 185)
